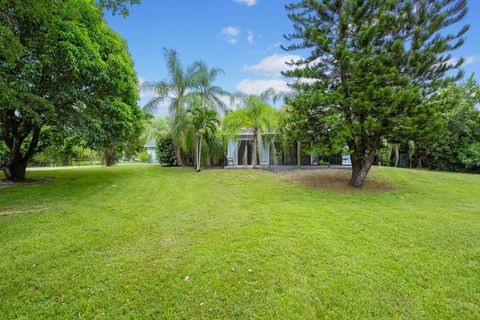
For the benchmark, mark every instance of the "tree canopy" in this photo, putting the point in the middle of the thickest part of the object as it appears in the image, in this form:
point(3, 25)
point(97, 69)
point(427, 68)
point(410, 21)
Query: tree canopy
point(370, 69)
point(70, 71)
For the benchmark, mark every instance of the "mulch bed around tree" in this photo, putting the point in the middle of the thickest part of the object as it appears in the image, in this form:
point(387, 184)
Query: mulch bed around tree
point(7, 183)
point(333, 180)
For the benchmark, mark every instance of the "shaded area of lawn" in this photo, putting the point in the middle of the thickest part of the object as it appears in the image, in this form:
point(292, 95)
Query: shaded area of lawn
point(151, 242)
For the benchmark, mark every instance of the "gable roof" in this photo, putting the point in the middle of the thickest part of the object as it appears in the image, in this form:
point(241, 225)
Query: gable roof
point(151, 144)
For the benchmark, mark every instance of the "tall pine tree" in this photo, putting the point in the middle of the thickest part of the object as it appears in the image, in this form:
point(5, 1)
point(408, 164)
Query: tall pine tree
point(370, 67)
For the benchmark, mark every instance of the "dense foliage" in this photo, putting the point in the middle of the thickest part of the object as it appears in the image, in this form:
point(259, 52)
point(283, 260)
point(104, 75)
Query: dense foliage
point(370, 68)
point(194, 85)
point(64, 70)
point(455, 147)
point(166, 151)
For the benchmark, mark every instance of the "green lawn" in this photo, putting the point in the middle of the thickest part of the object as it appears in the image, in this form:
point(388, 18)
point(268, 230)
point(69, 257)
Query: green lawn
point(145, 242)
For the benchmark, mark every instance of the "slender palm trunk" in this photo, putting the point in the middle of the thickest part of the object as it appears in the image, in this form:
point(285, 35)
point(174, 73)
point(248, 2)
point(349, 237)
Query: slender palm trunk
point(199, 153)
point(255, 147)
point(259, 148)
point(397, 155)
point(178, 154)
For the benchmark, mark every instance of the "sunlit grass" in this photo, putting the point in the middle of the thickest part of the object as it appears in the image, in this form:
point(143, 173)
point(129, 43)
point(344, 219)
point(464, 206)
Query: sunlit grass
point(145, 242)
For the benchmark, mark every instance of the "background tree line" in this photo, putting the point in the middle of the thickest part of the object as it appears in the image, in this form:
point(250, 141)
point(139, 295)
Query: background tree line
point(455, 144)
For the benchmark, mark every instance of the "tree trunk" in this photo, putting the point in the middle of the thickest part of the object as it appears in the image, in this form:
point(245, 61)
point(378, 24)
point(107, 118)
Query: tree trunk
point(259, 148)
point(178, 153)
point(16, 165)
point(255, 149)
point(397, 155)
point(15, 171)
point(419, 164)
point(208, 160)
point(360, 169)
point(65, 160)
point(108, 157)
point(199, 154)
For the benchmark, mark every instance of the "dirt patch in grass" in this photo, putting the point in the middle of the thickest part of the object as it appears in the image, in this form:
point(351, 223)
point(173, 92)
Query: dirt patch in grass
point(9, 212)
point(333, 180)
point(7, 183)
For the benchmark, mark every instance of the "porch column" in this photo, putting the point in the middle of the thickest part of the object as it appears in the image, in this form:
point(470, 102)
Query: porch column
point(235, 154)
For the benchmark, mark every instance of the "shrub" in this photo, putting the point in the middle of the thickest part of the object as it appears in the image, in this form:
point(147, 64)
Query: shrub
point(470, 156)
point(166, 151)
point(143, 156)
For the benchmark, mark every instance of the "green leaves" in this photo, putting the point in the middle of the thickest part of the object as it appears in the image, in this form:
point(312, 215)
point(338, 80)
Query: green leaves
point(372, 64)
point(74, 74)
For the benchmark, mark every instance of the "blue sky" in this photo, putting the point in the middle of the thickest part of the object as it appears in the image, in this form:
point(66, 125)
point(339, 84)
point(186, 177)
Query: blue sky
point(240, 36)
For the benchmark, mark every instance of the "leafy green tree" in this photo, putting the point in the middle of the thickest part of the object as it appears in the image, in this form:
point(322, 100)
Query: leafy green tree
point(453, 147)
point(118, 6)
point(71, 71)
point(370, 68)
point(470, 156)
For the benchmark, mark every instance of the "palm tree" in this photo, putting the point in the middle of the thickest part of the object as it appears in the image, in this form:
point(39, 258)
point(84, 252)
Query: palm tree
point(175, 91)
point(205, 87)
point(196, 80)
point(155, 127)
point(197, 124)
point(256, 115)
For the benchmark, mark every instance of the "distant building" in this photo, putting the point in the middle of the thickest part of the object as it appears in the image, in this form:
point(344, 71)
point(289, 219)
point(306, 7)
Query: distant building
point(240, 154)
point(151, 147)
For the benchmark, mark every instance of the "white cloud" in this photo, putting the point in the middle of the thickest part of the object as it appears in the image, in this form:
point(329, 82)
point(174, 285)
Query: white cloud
point(468, 60)
point(231, 31)
point(231, 34)
point(249, 3)
point(273, 65)
point(256, 87)
point(250, 37)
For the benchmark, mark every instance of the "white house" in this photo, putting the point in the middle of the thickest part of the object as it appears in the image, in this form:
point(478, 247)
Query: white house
point(240, 154)
point(151, 147)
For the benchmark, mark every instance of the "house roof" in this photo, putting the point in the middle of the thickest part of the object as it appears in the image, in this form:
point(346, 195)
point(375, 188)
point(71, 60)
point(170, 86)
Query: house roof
point(151, 144)
point(249, 132)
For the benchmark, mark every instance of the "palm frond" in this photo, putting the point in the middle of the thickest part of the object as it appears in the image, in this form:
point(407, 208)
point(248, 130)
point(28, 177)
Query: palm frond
point(152, 105)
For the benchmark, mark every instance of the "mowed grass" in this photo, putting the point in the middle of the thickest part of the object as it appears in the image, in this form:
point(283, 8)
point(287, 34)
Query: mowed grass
point(145, 242)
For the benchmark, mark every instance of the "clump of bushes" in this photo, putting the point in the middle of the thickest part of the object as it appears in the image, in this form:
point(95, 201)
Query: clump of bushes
point(143, 156)
point(166, 151)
